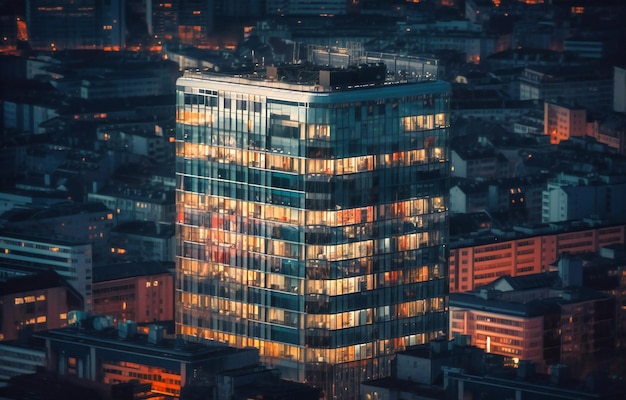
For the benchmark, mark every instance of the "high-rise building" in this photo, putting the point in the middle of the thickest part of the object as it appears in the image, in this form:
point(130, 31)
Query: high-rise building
point(312, 217)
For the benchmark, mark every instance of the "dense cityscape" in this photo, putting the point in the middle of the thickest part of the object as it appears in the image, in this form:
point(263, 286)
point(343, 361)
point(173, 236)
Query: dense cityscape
point(322, 200)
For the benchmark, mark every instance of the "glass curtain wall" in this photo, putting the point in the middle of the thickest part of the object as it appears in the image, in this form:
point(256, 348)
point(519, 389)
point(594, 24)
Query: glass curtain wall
point(314, 231)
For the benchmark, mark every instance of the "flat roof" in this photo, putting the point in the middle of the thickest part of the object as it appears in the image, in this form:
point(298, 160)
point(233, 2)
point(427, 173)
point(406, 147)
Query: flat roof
point(124, 270)
point(44, 279)
point(309, 92)
point(166, 349)
point(146, 228)
point(473, 300)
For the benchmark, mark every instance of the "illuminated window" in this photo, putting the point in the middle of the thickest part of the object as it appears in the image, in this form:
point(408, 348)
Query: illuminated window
point(413, 123)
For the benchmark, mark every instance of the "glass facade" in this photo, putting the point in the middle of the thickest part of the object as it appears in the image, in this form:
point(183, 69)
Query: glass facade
point(312, 224)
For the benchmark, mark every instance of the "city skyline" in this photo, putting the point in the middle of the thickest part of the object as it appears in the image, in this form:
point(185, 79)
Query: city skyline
point(355, 194)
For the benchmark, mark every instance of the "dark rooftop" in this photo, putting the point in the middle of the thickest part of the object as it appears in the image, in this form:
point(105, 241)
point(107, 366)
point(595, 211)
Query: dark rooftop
point(176, 350)
point(408, 387)
point(38, 237)
point(123, 270)
point(474, 300)
point(146, 228)
point(531, 281)
point(53, 211)
point(41, 280)
point(279, 389)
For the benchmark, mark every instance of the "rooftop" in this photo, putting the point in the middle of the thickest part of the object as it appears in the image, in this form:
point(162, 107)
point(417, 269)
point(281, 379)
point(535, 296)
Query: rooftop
point(38, 237)
point(474, 300)
point(304, 77)
point(277, 389)
point(41, 280)
point(463, 236)
point(128, 270)
point(172, 350)
point(147, 193)
point(393, 383)
point(146, 228)
point(54, 211)
point(532, 281)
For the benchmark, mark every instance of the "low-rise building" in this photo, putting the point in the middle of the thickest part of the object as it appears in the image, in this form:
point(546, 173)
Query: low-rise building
point(142, 241)
point(589, 87)
point(143, 203)
point(22, 254)
point(518, 197)
point(136, 291)
point(619, 88)
point(35, 303)
point(525, 383)
point(573, 196)
point(417, 371)
point(611, 131)
point(89, 222)
point(455, 369)
point(481, 257)
point(139, 139)
point(478, 161)
point(19, 198)
point(586, 47)
point(461, 35)
point(50, 386)
point(563, 120)
point(299, 7)
point(27, 114)
point(547, 318)
point(126, 83)
point(93, 350)
point(19, 359)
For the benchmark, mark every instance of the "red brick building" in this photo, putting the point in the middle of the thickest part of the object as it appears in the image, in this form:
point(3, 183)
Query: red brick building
point(135, 291)
point(480, 261)
point(543, 318)
point(35, 303)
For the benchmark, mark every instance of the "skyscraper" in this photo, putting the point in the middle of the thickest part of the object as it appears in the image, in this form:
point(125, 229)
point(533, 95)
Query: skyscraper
point(312, 223)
